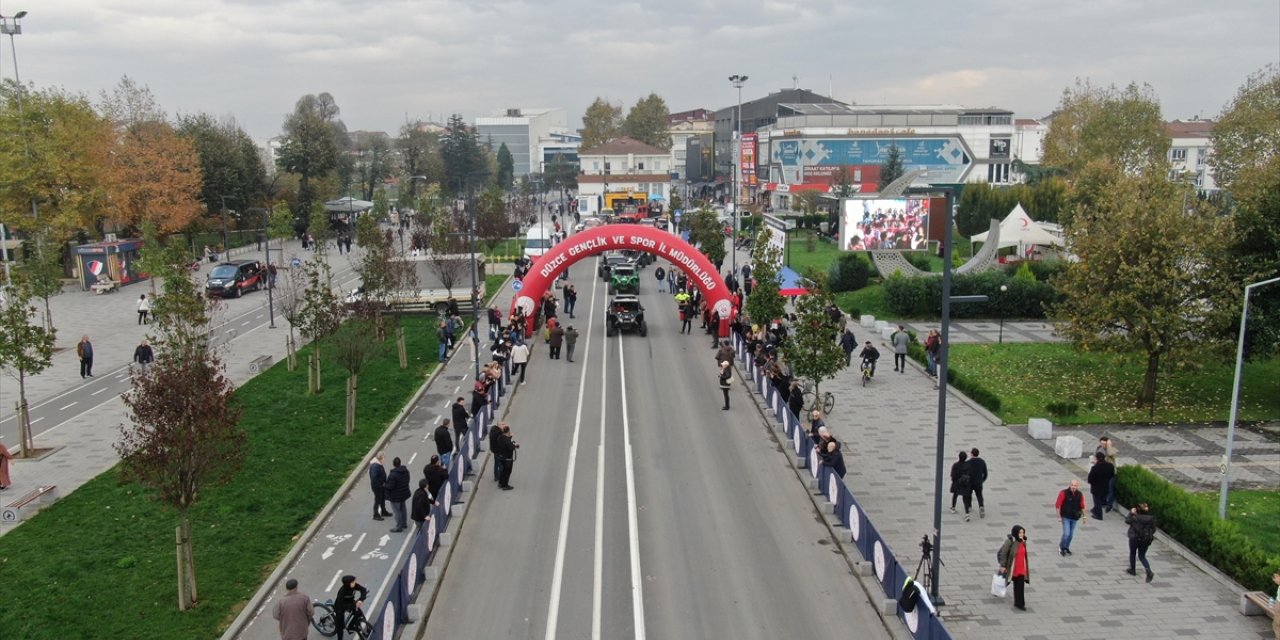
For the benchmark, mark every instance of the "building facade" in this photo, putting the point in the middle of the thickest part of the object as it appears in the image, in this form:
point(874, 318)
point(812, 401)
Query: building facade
point(684, 126)
point(622, 165)
point(1191, 143)
point(756, 114)
point(522, 130)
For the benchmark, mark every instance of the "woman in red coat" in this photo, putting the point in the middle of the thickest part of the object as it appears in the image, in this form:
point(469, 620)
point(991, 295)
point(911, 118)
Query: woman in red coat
point(1014, 564)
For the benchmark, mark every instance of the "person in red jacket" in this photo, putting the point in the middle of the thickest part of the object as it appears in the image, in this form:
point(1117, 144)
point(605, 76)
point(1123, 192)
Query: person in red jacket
point(1015, 565)
point(1070, 506)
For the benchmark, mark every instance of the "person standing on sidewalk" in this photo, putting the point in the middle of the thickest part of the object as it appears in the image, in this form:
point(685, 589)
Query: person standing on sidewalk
point(378, 482)
point(1015, 565)
point(1100, 477)
point(1142, 531)
point(436, 475)
point(1070, 506)
point(519, 359)
point(847, 344)
point(84, 350)
point(144, 308)
point(294, 612)
point(442, 338)
point(933, 351)
point(977, 478)
point(726, 377)
point(461, 419)
point(398, 493)
point(961, 485)
point(570, 341)
point(555, 341)
point(1109, 450)
point(900, 339)
point(143, 356)
point(495, 432)
point(444, 442)
point(495, 322)
point(421, 505)
point(506, 450)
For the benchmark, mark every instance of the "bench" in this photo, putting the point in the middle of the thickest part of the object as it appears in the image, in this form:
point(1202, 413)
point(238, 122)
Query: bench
point(259, 364)
point(30, 502)
point(1254, 603)
point(104, 286)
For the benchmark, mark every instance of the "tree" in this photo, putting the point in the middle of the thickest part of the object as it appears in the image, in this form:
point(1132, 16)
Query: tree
point(289, 295)
point(842, 182)
point(812, 351)
point(230, 164)
point(320, 311)
point(1146, 278)
point(1254, 253)
point(184, 434)
point(1247, 134)
point(420, 153)
point(372, 162)
point(765, 302)
point(492, 223)
point(25, 349)
point(601, 123)
point(706, 233)
point(354, 345)
point(648, 121)
point(561, 175)
point(310, 148)
point(892, 168)
point(506, 168)
point(464, 162)
point(154, 176)
point(448, 265)
point(130, 104)
point(1120, 126)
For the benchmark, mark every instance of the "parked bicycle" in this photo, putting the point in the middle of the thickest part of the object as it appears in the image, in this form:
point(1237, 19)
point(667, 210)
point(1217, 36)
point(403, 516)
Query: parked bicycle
point(326, 621)
point(827, 402)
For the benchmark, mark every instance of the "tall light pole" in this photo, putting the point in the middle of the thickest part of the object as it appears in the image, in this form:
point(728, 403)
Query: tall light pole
point(1003, 289)
point(1235, 400)
point(226, 246)
point(738, 81)
point(10, 26)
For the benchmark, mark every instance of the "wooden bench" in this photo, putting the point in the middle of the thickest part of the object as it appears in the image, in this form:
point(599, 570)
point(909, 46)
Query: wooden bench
point(29, 503)
point(259, 364)
point(1254, 603)
point(104, 286)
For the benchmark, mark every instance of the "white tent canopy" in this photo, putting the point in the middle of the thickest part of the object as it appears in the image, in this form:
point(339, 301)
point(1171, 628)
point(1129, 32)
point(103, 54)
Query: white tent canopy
point(347, 204)
point(1019, 230)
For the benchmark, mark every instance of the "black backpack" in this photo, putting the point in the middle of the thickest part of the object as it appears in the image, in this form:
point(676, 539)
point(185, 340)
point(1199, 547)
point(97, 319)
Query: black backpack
point(1144, 533)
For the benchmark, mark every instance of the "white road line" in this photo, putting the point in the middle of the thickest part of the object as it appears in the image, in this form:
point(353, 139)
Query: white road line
point(98, 391)
point(358, 541)
point(245, 323)
point(562, 538)
point(456, 389)
point(597, 582)
point(334, 581)
point(37, 420)
point(436, 421)
point(413, 457)
point(637, 581)
point(68, 406)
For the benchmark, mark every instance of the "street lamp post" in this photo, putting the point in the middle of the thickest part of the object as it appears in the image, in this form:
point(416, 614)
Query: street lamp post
point(10, 26)
point(1003, 289)
point(226, 245)
point(738, 81)
point(1235, 399)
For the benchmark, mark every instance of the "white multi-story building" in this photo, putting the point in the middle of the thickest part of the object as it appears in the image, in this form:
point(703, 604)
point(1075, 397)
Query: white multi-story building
point(622, 166)
point(684, 126)
point(521, 130)
point(1191, 143)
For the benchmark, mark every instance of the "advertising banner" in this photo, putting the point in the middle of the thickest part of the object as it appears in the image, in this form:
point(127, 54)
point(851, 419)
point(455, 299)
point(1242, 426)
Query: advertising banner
point(897, 224)
point(999, 149)
point(946, 158)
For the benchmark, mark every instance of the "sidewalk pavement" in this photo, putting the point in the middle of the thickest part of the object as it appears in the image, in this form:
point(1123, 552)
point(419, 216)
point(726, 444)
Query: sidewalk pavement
point(889, 433)
point(976, 331)
point(84, 443)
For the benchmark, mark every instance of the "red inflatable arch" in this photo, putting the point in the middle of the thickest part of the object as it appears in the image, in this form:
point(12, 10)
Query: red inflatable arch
point(618, 237)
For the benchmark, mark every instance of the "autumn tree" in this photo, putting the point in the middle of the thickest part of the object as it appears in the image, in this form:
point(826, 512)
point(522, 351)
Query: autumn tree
point(812, 351)
point(183, 435)
point(320, 311)
point(1120, 126)
point(290, 291)
point(445, 260)
point(765, 302)
point(842, 182)
point(26, 349)
point(892, 167)
point(648, 121)
point(600, 123)
point(154, 177)
point(311, 148)
point(1144, 280)
point(1246, 163)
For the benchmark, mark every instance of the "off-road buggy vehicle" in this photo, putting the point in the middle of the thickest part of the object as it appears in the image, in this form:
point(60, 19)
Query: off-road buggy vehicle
point(625, 314)
point(624, 279)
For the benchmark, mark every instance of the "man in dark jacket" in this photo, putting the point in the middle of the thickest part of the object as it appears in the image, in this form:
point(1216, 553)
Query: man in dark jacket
point(495, 432)
point(378, 482)
point(436, 475)
point(1100, 482)
point(848, 344)
point(461, 419)
point(570, 341)
point(978, 476)
point(398, 493)
point(505, 450)
point(795, 400)
point(421, 504)
point(1070, 506)
point(554, 341)
point(831, 456)
point(444, 442)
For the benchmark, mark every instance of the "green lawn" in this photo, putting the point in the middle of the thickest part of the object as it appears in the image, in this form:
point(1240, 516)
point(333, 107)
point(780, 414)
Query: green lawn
point(1027, 377)
point(99, 563)
point(1257, 513)
point(800, 258)
point(867, 300)
point(506, 250)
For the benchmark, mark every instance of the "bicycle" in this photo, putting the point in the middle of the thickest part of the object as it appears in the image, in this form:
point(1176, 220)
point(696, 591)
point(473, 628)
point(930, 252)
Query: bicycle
point(868, 370)
point(326, 621)
point(828, 400)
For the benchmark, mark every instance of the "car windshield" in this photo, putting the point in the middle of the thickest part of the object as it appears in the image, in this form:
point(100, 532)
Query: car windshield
point(628, 306)
point(223, 271)
point(624, 270)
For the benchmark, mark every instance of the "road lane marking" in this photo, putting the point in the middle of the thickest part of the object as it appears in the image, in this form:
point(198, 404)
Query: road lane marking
point(358, 541)
point(333, 581)
point(68, 406)
point(413, 457)
point(42, 418)
point(637, 583)
point(562, 537)
point(597, 581)
point(98, 391)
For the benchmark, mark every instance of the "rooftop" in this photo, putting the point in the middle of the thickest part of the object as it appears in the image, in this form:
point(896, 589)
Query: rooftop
point(622, 147)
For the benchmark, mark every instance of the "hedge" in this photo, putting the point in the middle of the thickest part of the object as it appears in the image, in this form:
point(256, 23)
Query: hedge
point(922, 297)
point(1194, 524)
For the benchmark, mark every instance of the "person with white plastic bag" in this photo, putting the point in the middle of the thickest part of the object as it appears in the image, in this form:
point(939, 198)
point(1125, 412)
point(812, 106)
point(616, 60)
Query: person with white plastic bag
point(1015, 564)
point(998, 586)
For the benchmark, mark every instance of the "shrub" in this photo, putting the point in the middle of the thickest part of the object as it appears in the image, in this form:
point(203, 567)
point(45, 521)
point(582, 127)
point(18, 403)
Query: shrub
point(1194, 524)
point(1062, 409)
point(922, 297)
point(918, 259)
point(850, 272)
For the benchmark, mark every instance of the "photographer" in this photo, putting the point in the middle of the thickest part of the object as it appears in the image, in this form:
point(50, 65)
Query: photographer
point(504, 448)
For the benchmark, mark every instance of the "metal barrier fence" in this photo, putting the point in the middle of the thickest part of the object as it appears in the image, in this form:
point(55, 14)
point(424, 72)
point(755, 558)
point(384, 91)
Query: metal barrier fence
point(923, 621)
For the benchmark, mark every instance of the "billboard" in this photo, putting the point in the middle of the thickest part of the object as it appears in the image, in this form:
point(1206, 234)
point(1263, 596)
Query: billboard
point(947, 158)
point(892, 224)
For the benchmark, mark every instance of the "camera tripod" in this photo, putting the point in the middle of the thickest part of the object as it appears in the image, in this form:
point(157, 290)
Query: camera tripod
point(926, 565)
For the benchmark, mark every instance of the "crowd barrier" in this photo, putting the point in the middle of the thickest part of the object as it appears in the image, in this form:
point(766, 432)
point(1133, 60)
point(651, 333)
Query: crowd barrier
point(390, 607)
point(923, 622)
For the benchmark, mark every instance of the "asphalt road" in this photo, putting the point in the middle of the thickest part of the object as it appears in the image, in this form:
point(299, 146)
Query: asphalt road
point(641, 509)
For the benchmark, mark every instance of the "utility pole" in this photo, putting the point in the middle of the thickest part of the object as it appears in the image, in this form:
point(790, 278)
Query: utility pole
point(738, 81)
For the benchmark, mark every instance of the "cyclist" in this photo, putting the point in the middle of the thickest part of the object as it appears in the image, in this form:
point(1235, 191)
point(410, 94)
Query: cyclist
point(347, 602)
point(869, 356)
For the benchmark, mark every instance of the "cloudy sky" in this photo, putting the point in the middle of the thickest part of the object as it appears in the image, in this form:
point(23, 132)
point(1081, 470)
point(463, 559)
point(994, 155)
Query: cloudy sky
point(388, 60)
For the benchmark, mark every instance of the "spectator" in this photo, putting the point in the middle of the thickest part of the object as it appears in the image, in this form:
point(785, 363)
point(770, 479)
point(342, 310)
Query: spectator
point(378, 482)
point(570, 341)
point(1109, 450)
point(831, 456)
point(1142, 531)
point(519, 360)
point(398, 493)
point(294, 611)
point(444, 442)
point(461, 419)
point(422, 501)
point(506, 450)
point(436, 475)
point(726, 378)
point(1100, 477)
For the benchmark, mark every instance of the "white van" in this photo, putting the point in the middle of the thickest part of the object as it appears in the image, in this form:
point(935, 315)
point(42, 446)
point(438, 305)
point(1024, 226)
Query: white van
point(537, 242)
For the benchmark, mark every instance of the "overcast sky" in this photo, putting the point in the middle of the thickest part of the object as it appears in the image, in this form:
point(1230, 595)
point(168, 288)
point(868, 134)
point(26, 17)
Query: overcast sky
point(388, 60)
